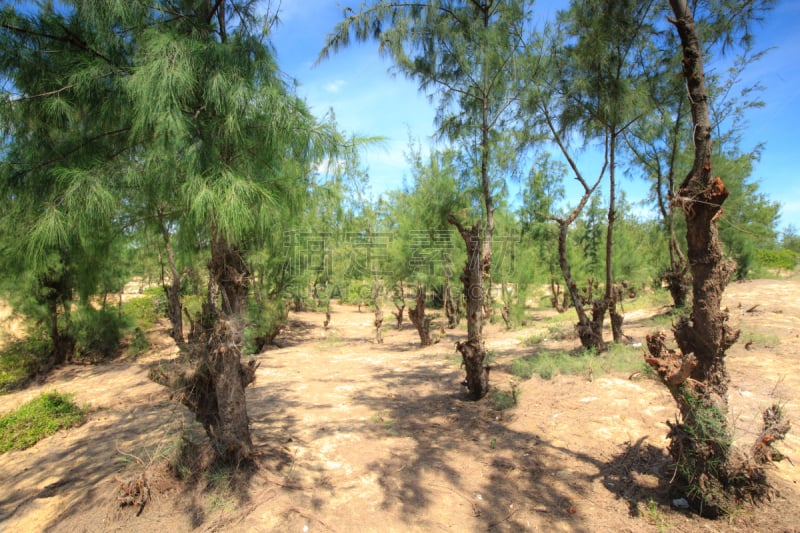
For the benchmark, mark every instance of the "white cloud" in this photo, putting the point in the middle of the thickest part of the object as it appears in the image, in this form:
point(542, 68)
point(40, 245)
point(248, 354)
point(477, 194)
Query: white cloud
point(335, 86)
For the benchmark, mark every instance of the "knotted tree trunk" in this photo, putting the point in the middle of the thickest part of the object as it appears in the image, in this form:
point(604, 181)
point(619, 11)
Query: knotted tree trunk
point(473, 351)
point(708, 472)
point(213, 387)
point(420, 320)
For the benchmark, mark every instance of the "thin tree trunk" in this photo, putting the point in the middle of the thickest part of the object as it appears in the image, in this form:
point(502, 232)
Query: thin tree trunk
point(376, 302)
point(676, 275)
point(58, 292)
point(505, 312)
point(611, 294)
point(173, 291)
point(400, 304)
point(590, 334)
point(60, 351)
point(450, 307)
point(558, 299)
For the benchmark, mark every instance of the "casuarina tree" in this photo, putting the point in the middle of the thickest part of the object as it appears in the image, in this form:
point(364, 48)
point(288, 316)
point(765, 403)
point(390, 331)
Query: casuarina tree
point(708, 470)
point(464, 53)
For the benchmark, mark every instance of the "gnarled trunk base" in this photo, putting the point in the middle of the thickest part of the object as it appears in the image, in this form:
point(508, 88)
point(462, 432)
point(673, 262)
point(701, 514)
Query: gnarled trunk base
point(477, 381)
point(420, 320)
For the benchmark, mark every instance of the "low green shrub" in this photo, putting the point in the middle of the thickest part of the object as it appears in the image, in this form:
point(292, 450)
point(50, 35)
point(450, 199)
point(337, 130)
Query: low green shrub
point(265, 322)
point(21, 359)
point(144, 311)
point(97, 333)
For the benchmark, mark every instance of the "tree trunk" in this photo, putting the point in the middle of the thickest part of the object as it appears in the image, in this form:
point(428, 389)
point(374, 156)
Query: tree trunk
point(173, 291)
point(58, 292)
point(376, 302)
point(398, 315)
point(676, 275)
point(678, 284)
point(473, 351)
point(488, 300)
point(559, 300)
point(707, 472)
point(590, 332)
point(418, 318)
point(63, 345)
point(213, 389)
point(505, 311)
point(616, 317)
point(611, 293)
point(450, 307)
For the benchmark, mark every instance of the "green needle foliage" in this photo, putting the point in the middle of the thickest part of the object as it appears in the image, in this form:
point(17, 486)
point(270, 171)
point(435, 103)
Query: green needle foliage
point(125, 113)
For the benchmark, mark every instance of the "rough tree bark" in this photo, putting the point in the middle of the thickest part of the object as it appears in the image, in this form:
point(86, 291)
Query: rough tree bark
point(708, 472)
point(450, 307)
point(419, 319)
point(213, 385)
point(558, 299)
point(400, 304)
point(473, 351)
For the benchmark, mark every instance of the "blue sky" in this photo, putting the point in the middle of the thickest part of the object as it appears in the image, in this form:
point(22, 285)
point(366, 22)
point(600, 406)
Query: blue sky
point(367, 99)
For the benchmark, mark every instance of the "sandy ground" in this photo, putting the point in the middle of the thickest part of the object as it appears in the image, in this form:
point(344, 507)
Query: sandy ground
point(356, 436)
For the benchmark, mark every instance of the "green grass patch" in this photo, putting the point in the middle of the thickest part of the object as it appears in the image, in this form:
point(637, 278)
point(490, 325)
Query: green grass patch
point(649, 299)
point(548, 363)
point(505, 399)
point(665, 321)
point(37, 419)
point(144, 311)
point(759, 339)
point(533, 340)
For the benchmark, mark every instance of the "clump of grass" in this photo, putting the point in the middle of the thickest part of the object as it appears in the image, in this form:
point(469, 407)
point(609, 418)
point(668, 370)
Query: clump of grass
point(138, 343)
point(387, 423)
point(533, 340)
point(37, 419)
point(761, 339)
point(655, 516)
point(648, 299)
point(560, 332)
point(505, 399)
point(548, 363)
